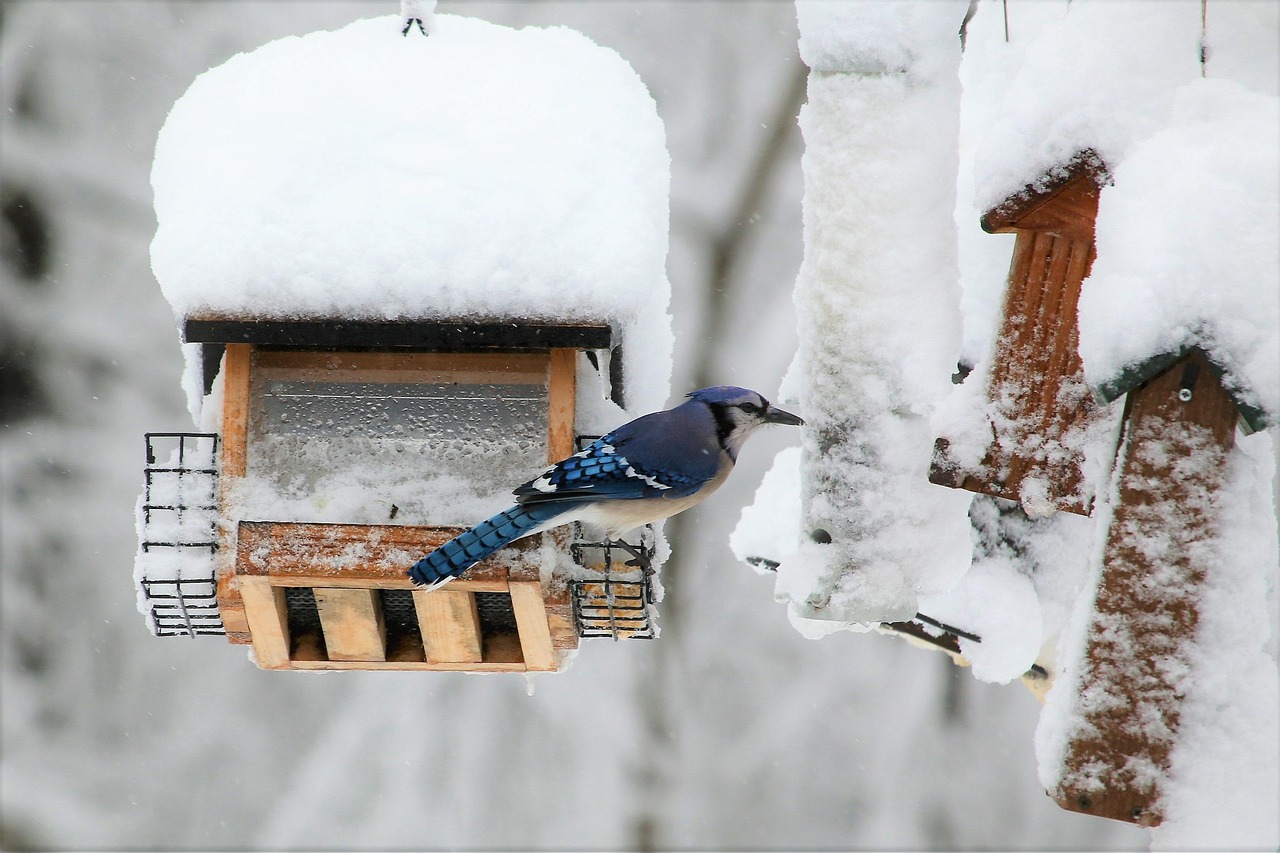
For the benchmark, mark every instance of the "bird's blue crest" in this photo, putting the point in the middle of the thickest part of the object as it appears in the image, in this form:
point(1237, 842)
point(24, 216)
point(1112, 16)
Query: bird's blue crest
point(723, 394)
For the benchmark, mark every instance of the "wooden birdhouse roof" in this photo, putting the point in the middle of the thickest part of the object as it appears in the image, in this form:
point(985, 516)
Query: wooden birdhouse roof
point(1252, 418)
point(1063, 201)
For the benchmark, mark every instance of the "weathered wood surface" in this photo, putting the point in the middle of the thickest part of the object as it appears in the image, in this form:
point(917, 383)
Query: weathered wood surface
point(1040, 405)
point(360, 555)
point(1180, 430)
point(233, 446)
point(531, 620)
point(515, 665)
point(450, 624)
point(562, 390)
point(264, 607)
point(353, 623)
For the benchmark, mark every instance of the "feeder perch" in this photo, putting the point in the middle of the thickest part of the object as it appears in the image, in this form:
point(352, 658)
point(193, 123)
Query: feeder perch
point(1179, 430)
point(1036, 391)
point(310, 595)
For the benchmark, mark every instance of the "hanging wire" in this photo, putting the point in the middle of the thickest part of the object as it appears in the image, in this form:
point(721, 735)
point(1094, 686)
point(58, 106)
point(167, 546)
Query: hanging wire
point(1005, 4)
point(1204, 49)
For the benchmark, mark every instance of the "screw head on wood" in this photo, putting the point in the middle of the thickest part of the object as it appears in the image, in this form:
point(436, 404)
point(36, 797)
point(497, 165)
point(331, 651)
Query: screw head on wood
point(1185, 395)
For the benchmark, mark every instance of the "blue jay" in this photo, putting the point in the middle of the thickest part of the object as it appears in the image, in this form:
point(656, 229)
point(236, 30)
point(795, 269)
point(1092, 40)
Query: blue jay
point(643, 471)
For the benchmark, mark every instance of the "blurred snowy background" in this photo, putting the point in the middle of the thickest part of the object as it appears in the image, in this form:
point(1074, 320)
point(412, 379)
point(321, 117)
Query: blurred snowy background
point(731, 732)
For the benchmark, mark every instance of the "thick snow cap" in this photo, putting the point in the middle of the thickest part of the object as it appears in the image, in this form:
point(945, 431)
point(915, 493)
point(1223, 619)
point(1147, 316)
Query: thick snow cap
point(1188, 252)
point(479, 172)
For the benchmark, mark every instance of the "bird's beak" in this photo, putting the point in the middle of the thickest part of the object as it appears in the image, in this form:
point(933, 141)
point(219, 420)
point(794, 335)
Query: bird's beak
point(778, 416)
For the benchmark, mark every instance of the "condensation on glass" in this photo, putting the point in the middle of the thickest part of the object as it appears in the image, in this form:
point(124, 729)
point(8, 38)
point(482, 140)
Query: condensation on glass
point(365, 432)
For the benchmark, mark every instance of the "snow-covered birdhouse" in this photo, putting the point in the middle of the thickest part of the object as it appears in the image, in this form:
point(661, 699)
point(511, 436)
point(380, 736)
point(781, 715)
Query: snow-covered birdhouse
point(1041, 410)
point(406, 273)
point(1180, 425)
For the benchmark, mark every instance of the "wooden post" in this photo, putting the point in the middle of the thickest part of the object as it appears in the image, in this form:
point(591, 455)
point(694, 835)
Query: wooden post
point(562, 385)
point(234, 458)
point(1037, 391)
point(265, 610)
point(1180, 430)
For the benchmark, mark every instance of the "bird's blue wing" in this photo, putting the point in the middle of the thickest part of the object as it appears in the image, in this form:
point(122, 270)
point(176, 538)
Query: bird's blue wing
point(643, 459)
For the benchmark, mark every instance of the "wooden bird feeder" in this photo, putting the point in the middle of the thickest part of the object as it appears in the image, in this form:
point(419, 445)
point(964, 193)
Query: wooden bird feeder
point(310, 595)
point(1036, 390)
point(1180, 425)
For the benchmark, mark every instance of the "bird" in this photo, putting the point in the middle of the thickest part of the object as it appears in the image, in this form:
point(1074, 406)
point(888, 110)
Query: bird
point(644, 471)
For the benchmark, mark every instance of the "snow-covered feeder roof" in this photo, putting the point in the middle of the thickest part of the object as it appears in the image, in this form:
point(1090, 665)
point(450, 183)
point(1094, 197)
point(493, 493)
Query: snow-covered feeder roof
point(1188, 241)
point(482, 172)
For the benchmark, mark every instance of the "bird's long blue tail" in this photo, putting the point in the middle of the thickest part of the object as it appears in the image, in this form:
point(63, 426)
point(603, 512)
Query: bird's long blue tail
point(470, 547)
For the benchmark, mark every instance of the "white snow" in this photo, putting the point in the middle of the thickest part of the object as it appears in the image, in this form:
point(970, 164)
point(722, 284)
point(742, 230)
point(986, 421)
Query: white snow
point(1187, 245)
point(1102, 76)
point(769, 528)
point(876, 300)
point(1224, 782)
point(482, 172)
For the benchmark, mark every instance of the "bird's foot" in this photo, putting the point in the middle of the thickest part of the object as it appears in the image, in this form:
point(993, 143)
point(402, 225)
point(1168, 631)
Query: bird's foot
point(639, 558)
point(408, 25)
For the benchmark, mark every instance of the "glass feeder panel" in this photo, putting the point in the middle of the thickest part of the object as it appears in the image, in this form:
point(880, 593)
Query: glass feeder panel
point(402, 452)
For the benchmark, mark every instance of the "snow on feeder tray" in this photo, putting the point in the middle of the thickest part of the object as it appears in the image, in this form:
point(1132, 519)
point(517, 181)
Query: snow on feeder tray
point(318, 413)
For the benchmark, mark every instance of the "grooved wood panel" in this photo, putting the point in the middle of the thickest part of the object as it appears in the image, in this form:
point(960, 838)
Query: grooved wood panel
point(1143, 626)
point(1041, 406)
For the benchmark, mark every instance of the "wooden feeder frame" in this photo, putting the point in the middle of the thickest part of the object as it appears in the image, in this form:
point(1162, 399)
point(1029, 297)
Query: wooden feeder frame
point(347, 565)
point(1036, 386)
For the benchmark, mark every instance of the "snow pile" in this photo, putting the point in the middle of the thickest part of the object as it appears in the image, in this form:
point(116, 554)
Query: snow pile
point(1224, 782)
point(1187, 246)
point(1101, 77)
point(908, 36)
point(875, 300)
point(769, 530)
point(479, 172)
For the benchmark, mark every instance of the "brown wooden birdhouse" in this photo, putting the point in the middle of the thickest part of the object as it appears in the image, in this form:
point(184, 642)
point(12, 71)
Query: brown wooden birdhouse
point(349, 449)
point(1039, 404)
point(1180, 425)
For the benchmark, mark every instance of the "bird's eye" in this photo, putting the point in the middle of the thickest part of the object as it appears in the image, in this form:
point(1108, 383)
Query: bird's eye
point(749, 408)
